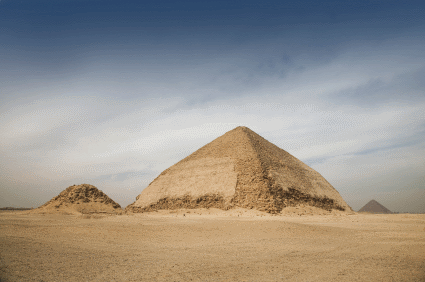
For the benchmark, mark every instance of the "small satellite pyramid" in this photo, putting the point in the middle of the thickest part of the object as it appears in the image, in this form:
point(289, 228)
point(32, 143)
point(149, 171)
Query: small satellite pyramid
point(239, 169)
point(84, 198)
point(374, 207)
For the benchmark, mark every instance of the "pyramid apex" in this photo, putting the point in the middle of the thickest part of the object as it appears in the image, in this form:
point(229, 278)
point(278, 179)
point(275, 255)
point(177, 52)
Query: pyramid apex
point(241, 127)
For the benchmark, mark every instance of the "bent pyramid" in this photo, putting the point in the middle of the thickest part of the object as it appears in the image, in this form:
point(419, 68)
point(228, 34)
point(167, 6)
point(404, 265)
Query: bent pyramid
point(374, 207)
point(238, 169)
point(84, 198)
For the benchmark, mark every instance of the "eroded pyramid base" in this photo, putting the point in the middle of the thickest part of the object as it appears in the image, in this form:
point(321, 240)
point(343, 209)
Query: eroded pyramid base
point(273, 205)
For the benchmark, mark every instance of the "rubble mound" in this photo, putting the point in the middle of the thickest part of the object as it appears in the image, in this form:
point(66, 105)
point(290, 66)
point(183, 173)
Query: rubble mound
point(374, 207)
point(81, 199)
point(239, 169)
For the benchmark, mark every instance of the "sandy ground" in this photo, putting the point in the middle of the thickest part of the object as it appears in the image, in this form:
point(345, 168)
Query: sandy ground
point(211, 245)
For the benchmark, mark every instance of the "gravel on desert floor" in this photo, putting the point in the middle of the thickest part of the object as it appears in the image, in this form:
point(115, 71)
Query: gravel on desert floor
point(212, 245)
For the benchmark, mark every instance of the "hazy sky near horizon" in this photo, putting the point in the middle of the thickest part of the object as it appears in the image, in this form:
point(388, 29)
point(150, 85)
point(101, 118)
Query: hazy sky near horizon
point(111, 93)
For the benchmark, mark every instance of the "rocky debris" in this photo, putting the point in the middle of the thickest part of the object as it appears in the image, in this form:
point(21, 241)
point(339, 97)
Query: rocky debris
point(84, 198)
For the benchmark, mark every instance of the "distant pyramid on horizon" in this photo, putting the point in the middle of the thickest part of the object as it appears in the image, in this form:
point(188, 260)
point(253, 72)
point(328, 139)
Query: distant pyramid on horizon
point(239, 169)
point(374, 207)
point(84, 198)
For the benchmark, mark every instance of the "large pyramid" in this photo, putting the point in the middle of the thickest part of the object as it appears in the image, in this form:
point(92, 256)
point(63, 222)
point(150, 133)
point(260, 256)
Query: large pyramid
point(84, 198)
point(374, 207)
point(239, 169)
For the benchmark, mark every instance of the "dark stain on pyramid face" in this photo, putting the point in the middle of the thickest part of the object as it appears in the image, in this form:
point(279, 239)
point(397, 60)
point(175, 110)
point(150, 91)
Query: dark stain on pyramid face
point(293, 197)
point(239, 169)
point(187, 202)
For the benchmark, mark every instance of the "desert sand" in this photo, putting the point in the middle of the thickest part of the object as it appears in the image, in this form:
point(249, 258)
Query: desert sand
point(212, 245)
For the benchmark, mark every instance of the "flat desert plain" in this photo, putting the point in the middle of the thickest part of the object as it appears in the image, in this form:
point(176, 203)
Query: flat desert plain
point(212, 245)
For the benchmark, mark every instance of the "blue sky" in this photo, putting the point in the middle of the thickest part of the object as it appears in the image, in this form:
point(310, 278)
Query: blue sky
point(113, 92)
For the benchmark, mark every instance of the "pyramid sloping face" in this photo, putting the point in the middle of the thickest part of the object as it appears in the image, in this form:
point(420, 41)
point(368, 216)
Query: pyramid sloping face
point(84, 198)
point(239, 168)
point(374, 207)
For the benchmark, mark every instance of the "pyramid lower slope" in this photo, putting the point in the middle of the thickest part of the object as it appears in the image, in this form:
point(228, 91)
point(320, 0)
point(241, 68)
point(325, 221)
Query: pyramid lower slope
point(84, 198)
point(238, 169)
point(374, 207)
